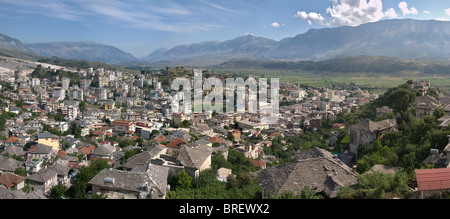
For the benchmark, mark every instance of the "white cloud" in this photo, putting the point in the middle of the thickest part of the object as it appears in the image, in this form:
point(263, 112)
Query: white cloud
point(441, 19)
point(390, 13)
point(404, 7)
point(168, 16)
point(447, 11)
point(312, 16)
point(427, 12)
point(275, 24)
point(349, 13)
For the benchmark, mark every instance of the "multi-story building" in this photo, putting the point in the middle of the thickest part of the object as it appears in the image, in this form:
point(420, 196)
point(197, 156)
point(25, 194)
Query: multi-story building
point(49, 140)
point(35, 82)
point(65, 83)
point(122, 126)
point(70, 112)
point(101, 93)
point(76, 94)
point(58, 93)
point(85, 84)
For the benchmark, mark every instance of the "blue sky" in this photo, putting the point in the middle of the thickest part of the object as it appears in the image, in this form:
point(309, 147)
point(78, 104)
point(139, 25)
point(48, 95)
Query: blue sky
point(142, 26)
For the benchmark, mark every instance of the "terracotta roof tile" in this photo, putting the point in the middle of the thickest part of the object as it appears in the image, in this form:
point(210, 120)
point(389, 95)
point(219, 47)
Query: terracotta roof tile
point(176, 143)
point(433, 179)
point(12, 139)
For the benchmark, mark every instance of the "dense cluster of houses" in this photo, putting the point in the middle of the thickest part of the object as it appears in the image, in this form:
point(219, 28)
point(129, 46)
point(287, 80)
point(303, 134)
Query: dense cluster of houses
point(136, 108)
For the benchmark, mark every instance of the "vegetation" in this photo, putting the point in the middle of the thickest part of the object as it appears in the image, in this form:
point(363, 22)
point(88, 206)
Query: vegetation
point(357, 64)
point(80, 186)
point(378, 186)
point(240, 185)
point(209, 187)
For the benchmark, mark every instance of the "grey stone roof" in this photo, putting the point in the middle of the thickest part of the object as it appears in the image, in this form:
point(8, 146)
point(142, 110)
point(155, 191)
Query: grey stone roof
point(8, 164)
point(313, 153)
point(154, 176)
point(157, 175)
point(11, 194)
point(61, 169)
point(322, 173)
point(102, 150)
point(371, 126)
point(346, 156)
point(35, 195)
point(14, 150)
point(40, 149)
point(143, 157)
point(437, 160)
point(426, 102)
point(46, 135)
point(43, 176)
point(194, 157)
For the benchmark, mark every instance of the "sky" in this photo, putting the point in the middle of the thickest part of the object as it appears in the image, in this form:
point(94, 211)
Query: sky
point(142, 26)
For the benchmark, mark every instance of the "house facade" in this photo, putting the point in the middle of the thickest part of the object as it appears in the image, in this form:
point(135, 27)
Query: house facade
point(43, 181)
point(49, 140)
point(195, 159)
point(121, 126)
point(364, 133)
point(147, 182)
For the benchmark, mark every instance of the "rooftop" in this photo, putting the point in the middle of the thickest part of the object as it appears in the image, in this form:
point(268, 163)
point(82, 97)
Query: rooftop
point(433, 179)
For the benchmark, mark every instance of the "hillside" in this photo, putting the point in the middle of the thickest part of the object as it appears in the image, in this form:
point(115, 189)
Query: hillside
point(356, 64)
point(212, 52)
point(82, 51)
point(399, 38)
point(13, 44)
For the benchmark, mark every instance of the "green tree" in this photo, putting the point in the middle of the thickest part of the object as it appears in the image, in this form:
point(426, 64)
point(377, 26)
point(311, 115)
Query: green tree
point(21, 172)
point(308, 193)
point(400, 99)
point(181, 180)
point(185, 124)
point(244, 179)
point(77, 132)
point(81, 186)
point(438, 113)
point(58, 192)
point(58, 117)
point(82, 106)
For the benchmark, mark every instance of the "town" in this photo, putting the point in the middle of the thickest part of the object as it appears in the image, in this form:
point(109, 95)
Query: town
point(97, 133)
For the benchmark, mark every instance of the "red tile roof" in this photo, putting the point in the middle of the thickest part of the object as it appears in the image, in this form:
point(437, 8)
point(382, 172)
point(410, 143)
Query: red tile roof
point(122, 122)
point(161, 138)
point(10, 179)
point(61, 153)
point(12, 139)
point(433, 179)
point(176, 143)
point(258, 163)
point(215, 140)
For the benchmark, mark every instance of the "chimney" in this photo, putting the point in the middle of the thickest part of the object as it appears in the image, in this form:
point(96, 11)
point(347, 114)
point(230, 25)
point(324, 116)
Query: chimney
point(109, 180)
point(434, 151)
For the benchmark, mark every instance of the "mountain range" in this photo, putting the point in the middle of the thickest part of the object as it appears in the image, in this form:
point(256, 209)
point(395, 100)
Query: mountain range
point(398, 38)
point(90, 51)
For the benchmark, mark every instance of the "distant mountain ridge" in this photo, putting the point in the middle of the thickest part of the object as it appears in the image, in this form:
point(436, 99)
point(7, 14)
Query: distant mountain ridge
point(10, 43)
point(398, 38)
point(89, 51)
point(241, 47)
